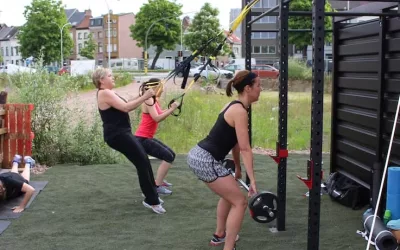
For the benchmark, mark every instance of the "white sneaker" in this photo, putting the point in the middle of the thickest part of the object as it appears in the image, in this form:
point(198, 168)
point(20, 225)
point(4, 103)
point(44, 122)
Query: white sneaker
point(159, 199)
point(158, 209)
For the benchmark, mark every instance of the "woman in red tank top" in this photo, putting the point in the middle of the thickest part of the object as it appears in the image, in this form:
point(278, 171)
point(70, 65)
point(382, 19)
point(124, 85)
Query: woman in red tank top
point(152, 114)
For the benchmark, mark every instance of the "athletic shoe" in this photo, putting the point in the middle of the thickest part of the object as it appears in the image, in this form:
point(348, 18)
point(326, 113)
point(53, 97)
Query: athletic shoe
point(29, 160)
point(159, 199)
point(163, 190)
point(166, 184)
point(158, 209)
point(17, 159)
point(216, 240)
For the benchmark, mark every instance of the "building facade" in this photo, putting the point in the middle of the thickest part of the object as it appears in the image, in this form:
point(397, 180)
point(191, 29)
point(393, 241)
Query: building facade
point(82, 34)
point(9, 46)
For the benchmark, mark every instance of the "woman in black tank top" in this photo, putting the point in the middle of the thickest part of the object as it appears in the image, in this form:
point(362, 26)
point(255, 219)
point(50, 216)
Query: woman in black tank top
point(114, 112)
point(229, 133)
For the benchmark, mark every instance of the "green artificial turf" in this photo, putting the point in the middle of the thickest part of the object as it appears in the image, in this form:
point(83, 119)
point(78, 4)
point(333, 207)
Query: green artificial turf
point(99, 207)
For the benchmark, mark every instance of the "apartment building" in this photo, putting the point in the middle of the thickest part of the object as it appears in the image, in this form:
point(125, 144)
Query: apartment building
point(74, 17)
point(121, 43)
point(263, 44)
point(82, 34)
point(10, 48)
point(97, 30)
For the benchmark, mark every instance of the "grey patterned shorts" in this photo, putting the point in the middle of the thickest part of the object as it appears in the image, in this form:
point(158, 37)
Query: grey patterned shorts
point(204, 166)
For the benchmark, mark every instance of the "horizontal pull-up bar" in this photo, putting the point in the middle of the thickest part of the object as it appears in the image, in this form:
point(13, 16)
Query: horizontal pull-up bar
point(266, 13)
point(290, 30)
point(345, 14)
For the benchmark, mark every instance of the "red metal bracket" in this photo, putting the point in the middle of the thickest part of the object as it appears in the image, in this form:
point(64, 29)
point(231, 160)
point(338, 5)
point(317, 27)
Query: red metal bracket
point(280, 153)
point(309, 180)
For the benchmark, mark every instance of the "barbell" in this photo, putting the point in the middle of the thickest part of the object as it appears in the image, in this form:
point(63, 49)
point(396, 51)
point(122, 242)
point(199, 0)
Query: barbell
point(263, 206)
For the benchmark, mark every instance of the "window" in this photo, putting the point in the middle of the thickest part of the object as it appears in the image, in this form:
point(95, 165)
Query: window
point(269, 3)
point(85, 35)
point(266, 19)
point(79, 47)
point(271, 50)
point(265, 49)
point(115, 47)
point(17, 51)
point(100, 47)
point(91, 22)
point(79, 36)
point(2, 51)
point(100, 34)
point(263, 35)
point(114, 32)
point(6, 51)
point(12, 51)
point(93, 35)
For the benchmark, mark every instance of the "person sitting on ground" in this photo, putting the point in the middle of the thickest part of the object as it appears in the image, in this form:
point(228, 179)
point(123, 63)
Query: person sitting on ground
point(152, 114)
point(117, 133)
point(13, 184)
point(230, 132)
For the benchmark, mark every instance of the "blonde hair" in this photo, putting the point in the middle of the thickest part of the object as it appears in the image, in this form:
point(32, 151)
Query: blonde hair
point(98, 74)
point(236, 82)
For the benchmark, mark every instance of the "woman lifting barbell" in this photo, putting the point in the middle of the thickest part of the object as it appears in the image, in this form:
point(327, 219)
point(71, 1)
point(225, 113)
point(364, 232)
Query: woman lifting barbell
point(230, 132)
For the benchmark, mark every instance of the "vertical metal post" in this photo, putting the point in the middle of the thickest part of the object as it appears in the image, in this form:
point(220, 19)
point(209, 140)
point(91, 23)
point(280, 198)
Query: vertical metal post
point(335, 79)
point(283, 101)
point(318, 17)
point(248, 51)
point(377, 168)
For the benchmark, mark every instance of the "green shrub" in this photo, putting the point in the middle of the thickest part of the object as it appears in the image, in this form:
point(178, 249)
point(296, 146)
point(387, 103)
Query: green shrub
point(62, 134)
point(298, 70)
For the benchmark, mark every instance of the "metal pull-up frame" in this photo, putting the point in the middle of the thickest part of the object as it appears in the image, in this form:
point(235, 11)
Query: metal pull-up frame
point(315, 162)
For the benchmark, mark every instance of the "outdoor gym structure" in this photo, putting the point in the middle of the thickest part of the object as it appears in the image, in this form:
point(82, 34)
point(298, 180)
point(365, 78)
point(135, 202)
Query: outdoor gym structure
point(366, 86)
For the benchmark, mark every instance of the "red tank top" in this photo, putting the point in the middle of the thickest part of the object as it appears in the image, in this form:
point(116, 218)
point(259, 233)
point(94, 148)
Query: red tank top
point(147, 126)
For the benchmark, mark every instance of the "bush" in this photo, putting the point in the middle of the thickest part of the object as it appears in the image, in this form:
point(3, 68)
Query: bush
point(298, 70)
point(62, 134)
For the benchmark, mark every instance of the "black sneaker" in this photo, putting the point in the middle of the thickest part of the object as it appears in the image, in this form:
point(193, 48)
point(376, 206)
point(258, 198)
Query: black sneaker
point(216, 240)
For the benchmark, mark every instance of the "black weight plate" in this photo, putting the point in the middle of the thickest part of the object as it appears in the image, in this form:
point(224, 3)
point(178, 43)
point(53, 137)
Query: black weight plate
point(264, 207)
point(229, 164)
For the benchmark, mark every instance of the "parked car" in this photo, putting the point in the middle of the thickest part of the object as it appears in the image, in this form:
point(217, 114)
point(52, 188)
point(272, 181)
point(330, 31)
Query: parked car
point(64, 70)
point(210, 73)
point(265, 71)
point(233, 67)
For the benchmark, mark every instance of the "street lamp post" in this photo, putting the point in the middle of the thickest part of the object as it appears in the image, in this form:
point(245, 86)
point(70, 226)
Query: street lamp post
point(61, 41)
point(109, 34)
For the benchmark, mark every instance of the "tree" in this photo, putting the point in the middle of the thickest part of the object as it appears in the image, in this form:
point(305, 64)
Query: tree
point(205, 26)
point(303, 39)
point(89, 48)
point(160, 20)
point(1, 58)
point(41, 32)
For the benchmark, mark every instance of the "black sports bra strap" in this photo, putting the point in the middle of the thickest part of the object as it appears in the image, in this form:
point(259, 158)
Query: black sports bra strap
point(230, 104)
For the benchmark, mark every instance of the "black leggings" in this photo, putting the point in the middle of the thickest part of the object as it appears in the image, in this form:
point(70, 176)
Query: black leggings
point(128, 145)
point(157, 149)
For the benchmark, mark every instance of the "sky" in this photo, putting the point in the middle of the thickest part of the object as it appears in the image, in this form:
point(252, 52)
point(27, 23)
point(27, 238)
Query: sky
point(12, 14)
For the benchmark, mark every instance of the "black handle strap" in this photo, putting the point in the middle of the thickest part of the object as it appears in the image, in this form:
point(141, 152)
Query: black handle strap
point(179, 108)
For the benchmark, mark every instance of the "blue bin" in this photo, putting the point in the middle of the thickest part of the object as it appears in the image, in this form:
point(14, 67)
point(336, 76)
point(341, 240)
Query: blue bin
point(393, 192)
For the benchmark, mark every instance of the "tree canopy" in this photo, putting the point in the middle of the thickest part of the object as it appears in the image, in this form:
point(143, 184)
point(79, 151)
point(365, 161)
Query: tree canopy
point(205, 26)
point(41, 32)
point(303, 39)
point(89, 48)
point(159, 20)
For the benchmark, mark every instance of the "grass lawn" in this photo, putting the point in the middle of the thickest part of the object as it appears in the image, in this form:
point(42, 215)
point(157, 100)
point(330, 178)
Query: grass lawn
point(99, 207)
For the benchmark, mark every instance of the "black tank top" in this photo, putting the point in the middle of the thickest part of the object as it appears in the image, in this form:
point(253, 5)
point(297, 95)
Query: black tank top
point(222, 137)
point(114, 121)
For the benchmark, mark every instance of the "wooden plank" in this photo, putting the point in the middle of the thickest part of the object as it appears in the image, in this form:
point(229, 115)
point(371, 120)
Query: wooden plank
point(3, 131)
